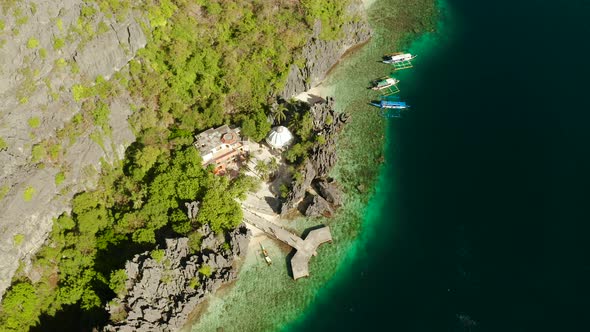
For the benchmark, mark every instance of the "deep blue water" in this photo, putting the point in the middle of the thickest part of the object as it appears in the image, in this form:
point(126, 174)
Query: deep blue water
point(486, 228)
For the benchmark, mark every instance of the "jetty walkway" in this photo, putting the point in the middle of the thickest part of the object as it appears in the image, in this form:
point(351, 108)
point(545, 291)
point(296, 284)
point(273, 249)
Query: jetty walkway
point(305, 248)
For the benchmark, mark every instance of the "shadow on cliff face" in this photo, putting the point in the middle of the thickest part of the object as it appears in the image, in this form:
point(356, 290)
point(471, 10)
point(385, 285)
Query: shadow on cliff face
point(72, 319)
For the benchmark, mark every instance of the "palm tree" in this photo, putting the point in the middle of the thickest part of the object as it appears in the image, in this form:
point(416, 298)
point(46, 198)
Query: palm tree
point(279, 113)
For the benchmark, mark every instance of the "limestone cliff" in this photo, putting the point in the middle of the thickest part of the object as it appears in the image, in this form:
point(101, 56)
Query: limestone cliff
point(321, 55)
point(48, 48)
point(160, 293)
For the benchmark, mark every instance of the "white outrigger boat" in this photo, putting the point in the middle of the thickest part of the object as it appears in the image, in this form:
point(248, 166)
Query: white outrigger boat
point(397, 57)
point(384, 83)
point(399, 61)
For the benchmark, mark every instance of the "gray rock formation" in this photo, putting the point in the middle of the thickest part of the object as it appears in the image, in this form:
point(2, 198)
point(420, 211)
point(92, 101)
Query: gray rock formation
point(319, 207)
point(192, 209)
point(161, 294)
point(321, 55)
point(323, 157)
point(36, 80)
point(329, 191)
point(299, 189)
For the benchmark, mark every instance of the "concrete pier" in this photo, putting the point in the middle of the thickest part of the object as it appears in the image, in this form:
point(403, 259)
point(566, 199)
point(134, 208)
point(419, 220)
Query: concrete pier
point(305, 248)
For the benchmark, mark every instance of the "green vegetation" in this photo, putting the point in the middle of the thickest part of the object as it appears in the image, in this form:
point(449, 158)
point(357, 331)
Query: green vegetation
point(200, 71)
point(117, 281)
point(58, 43)
point(194, 283)
point(207, 62)
point(2, 25)
point(22, 20)
point(205, 270)
point(34, 122)
point(60, 63)
point(32, 43)
point(3, 191)
point(28, 194)
point(329, 12)
point(80, 92)
point(3, 144)
point(43, 53)
point(103, 28)
point(18, 239)
point(59, 178)
point(158, 255)
point(38, 153)
point(22, 303)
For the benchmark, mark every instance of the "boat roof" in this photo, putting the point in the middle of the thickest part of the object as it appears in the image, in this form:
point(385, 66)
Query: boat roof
point(393, 103)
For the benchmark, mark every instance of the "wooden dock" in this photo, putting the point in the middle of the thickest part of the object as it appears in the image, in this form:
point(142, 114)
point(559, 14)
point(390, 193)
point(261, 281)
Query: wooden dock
point(305, 248)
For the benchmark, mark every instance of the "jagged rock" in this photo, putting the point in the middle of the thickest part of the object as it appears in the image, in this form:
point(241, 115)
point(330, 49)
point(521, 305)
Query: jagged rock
point(321, 55)
point(326, 123)
point(209, 240)
point(159, 296)
point(299, 188)
point(329, 191)
point(239, 239)
point(318, 207)
point(192, 209)
point(48, 97)
point(324, 156)
point(110, 51)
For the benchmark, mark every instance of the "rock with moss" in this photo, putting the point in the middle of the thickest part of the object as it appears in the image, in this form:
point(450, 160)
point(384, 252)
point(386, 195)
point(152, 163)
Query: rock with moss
point(318, 165)
point(162, 291)
point(37, 108)
point(319, 55)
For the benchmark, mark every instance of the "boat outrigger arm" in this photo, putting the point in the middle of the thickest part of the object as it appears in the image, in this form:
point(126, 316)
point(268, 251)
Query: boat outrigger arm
point(399, 61)
point(386, 85)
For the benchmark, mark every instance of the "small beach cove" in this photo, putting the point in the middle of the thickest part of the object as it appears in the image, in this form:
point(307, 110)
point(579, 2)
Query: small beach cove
point(265, 298)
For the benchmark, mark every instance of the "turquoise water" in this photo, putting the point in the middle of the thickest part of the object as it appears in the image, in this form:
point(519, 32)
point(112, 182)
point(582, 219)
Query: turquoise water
point(266, 298)
point(481, 221)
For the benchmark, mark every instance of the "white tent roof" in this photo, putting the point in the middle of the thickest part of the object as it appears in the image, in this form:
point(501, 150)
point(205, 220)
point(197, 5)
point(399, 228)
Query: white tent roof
point(279, 137)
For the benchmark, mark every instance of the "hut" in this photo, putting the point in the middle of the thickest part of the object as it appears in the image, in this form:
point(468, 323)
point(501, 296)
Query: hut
point(279, 137)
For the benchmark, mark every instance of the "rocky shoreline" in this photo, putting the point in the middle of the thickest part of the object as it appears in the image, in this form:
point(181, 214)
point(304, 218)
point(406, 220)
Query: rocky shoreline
point(153, 304)
point(161, 292)
point(316, 194)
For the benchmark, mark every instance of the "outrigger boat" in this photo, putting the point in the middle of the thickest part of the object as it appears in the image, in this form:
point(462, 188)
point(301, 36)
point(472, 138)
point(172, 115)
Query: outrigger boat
point(386, 85)
point(265, 254)
point(400, 105)
point(391, 107)
point(397, 57)
point(400, 60)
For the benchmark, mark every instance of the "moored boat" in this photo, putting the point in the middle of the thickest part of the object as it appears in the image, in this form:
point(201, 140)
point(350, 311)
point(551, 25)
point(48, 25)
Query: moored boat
point(390, 104)
point(384, 83)
point(397, 57)
point(265, 254)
